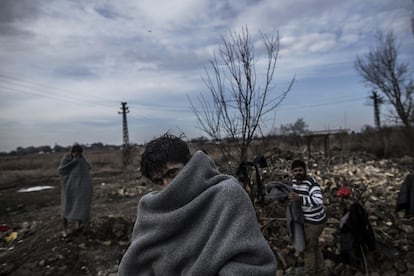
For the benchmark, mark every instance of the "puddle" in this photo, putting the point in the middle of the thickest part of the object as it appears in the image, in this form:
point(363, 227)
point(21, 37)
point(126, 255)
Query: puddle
point(34, 189)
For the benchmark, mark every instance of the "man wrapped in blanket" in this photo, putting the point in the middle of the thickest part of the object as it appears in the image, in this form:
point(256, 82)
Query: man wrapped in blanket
point(76, 189)
point(202, 222)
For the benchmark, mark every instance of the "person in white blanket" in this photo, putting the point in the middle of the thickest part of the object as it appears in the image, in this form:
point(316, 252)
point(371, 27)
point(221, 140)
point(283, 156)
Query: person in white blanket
point(201, 222)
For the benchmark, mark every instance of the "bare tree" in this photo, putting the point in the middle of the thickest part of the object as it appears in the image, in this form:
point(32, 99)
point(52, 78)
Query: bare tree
point(237, 105)
point(381, 70)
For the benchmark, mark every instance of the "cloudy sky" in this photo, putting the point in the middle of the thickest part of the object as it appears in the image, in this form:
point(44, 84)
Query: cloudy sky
point(66, 65)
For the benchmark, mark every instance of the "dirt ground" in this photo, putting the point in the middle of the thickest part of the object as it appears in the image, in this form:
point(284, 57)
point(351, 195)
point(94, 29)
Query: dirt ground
point(38, 249)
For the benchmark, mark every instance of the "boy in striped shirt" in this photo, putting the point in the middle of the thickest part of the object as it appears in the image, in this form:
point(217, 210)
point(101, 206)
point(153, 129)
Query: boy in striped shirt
point(307, 190)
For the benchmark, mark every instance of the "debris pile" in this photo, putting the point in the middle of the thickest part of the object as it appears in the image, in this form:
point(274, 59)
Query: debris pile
point(375, 185)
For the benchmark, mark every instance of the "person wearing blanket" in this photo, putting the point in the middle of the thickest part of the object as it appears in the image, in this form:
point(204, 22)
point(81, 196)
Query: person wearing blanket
point(202, 222)
point(76, 188)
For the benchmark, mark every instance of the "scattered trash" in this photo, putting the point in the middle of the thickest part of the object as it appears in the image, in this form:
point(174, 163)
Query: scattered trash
point(34, 189)
point(4, 228)
point(11, 237)
point(344, 192)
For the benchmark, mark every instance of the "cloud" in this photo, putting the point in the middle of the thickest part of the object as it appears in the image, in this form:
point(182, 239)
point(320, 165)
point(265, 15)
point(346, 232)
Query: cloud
point(75, 61)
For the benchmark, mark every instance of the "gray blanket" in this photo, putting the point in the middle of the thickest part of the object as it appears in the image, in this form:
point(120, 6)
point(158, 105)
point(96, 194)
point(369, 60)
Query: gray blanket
point(76, 188)
point(202, 223)
point(294, 215)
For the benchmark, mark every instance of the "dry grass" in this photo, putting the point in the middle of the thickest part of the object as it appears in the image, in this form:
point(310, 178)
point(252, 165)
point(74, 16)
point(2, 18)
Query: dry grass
point(108, 162)
point(15, 168)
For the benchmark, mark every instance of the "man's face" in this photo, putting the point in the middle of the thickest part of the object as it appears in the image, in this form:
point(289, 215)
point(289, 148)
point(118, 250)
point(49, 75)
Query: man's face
point(299, 173)
point(167, 175)
point(76, 154)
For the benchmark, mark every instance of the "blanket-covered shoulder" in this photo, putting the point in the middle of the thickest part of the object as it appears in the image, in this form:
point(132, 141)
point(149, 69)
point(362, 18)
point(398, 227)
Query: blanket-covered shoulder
point(231, 190)
point(232, 186)
point(67, 163)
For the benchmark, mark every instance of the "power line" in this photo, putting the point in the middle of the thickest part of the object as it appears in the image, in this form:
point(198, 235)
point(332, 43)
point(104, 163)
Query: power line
point(50, 96)
point(36, 85)
point(26, 87)
point(334, 101)
point(162, 107)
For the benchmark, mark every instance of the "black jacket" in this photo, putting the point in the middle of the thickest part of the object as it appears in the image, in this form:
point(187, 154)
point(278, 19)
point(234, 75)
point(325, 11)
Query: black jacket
point(405, 200)
point(356, 234)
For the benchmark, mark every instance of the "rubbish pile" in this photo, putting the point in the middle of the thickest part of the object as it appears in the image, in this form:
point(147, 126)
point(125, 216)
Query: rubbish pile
point(374, 185)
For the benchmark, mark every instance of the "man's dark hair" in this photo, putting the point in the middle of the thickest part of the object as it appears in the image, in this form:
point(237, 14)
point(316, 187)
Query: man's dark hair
point(160, 151)
point(298, 163)
point(76, 148)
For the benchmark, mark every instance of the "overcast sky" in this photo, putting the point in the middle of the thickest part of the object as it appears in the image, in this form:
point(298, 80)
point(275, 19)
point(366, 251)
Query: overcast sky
point(66, 66)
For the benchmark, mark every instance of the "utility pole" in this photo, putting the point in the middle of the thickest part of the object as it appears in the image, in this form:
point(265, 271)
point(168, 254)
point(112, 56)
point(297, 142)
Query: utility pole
point(377, 101)
point(126, 152)
point(124, 112)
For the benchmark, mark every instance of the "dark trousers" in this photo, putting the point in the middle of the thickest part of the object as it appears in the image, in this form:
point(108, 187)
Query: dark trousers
point(312, 255)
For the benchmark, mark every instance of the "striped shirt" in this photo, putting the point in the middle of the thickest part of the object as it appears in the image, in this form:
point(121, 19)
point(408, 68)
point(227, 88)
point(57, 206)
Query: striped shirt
point(312, 200)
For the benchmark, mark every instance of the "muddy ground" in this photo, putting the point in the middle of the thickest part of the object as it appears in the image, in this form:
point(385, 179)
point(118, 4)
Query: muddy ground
point(38, 249)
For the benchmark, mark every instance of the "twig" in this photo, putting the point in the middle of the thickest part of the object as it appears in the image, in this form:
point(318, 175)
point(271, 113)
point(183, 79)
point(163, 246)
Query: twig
point(281, 258)
point(267, 221)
